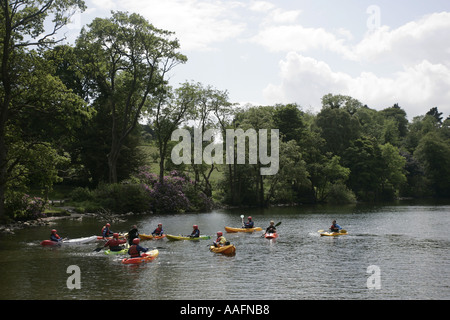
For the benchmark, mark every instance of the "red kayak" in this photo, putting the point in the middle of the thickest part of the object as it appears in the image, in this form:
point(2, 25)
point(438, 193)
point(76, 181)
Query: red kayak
point(49, 243)
point(271, 235)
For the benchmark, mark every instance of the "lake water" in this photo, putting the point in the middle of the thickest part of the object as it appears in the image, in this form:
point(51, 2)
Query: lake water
point(398, 251)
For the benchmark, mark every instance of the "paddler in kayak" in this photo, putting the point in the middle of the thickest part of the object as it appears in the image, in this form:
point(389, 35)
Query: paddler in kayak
point(158, 231)
point(106, 232)
point(221, 240)
point(335, 227)
point(55, 237)
point(133, 234)
point(135, 250)
point(196, 232)
point(115, 244)
point(249, 223)
point(271, 228)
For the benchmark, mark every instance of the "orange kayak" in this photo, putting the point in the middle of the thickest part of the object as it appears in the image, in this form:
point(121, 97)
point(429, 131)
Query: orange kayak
point(227, 249)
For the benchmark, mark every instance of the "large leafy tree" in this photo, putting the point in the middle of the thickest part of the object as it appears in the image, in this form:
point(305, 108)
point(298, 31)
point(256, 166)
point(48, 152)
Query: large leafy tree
point(127, 60)
point(433, 152)
point(22, 26)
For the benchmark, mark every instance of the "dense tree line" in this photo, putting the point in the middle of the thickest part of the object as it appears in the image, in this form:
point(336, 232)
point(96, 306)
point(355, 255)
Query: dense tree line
point(75, 115)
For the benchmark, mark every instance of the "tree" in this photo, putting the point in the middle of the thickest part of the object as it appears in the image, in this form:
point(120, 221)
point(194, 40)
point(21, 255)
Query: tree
point(127, 59)
point(170, 109)
point(434, 154)
point(393, 171)
point(288, 119)
point(434, 112)
point(339, 128)
point(22, 26)
point(365, 162)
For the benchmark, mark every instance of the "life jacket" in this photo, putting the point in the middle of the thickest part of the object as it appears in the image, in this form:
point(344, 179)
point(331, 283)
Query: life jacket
point(133, 251)
point(53, 236)
point(221, 240)
point(107, 230)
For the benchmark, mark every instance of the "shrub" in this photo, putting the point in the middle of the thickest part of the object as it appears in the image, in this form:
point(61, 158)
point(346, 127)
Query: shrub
point(122, 198)
point(22, 207)
point(340, 194)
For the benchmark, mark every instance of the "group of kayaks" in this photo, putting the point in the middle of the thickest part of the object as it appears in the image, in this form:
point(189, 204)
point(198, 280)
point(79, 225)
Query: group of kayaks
point(227, 249)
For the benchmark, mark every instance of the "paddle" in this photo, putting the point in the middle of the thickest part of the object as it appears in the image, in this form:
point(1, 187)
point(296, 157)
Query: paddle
point(242, 218)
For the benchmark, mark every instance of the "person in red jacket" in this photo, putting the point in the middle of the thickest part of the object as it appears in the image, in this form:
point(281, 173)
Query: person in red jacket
point(135, 250)
point(114, 243)
point(55, 237)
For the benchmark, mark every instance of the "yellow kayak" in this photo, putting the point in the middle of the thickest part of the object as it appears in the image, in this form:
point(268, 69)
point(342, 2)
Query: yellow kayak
point(227, 249)
point(333, 234)
point(232, 230)
point(150, 237)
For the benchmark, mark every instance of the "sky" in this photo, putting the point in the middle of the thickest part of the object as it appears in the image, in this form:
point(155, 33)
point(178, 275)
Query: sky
point(296, 51)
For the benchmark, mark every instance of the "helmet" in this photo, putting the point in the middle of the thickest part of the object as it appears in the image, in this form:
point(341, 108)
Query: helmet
point(219, 233)
point(159, 224)
point(116, 235)
point(136, 240)
point(249, 218)
point(195, 226)
point(53, 230)
point(108, 225)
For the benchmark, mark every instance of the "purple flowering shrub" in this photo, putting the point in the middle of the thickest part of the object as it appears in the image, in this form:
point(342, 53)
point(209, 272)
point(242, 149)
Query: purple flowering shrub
point(25, 207)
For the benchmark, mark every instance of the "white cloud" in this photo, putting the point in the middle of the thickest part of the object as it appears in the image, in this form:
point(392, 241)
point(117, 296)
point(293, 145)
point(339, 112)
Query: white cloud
point(198, 24)
point(427, 38)
point(297, 38)
point(416, 88)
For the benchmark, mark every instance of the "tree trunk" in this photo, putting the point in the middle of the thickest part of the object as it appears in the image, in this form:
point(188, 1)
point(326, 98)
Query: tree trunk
point(113, 157)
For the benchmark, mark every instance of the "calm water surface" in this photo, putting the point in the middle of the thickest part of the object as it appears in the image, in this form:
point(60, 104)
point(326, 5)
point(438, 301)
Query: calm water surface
point(409, 244)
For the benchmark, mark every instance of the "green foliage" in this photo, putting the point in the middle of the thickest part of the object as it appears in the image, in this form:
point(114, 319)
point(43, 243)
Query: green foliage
point(434, 153)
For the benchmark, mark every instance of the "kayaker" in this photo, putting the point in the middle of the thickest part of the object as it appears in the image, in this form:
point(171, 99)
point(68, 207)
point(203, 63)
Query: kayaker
point(335, 227)
point(196, 232)
point(114, 243)
point(158, 231)
point(271, 228)
point(135, 250)
point(221, 240)
point(249, 223)
point(54, 236)
point(133, 234)
point(106, 232)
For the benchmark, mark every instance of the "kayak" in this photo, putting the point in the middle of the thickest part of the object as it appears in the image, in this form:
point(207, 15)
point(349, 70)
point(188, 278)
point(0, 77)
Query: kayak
point(69, 241)
point(271, 235)
point(232, 230)
point(227, 249)
point(145, 257)
point(49, 243)
point(333, 234)
point(123, 251)
point(151, 237)
point(174, 238)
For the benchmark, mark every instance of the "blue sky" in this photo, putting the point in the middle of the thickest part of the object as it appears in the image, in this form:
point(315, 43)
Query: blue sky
point(284, 51)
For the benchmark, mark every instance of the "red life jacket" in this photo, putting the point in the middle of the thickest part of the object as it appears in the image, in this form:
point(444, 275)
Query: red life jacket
point(133, 252)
